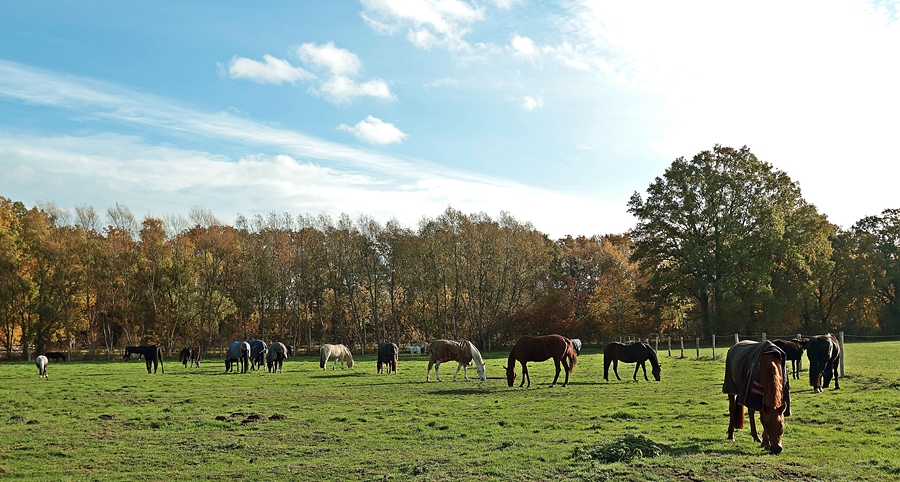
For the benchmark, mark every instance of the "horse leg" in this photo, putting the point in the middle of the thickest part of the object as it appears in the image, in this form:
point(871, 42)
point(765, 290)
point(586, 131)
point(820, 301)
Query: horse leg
point(616, 368)
point(752, 414)
point(525, 375)
point(567, 369)
point(555, 378)
point(606, 368)
point(644, 366)
point(458, 366)
point(734, 411)
point(637, 366)
point(836, 386)
point(437, 366)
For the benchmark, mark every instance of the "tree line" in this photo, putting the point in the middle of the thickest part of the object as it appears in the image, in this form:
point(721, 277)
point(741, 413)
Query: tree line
point(723, 243)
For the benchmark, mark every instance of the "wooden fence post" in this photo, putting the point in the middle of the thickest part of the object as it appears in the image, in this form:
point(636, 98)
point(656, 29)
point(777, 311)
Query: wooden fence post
point(714, 346)
point(763, 336)
point(841, 340)
point(669, 338)
point(698, 348)
point(737, 339)
point(682, 347)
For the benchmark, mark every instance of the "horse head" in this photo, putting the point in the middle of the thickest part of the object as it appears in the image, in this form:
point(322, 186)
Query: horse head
point(773, 428)
point(510, 374)
point(656, 372)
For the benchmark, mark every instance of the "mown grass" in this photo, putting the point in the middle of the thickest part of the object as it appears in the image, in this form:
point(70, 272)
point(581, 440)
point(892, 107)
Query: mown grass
point(113, 421)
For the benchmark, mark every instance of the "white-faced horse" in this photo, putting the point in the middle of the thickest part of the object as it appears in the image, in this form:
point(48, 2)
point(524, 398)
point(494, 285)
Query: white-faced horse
point(464, 352)
point(339, 352)
point(41, 362)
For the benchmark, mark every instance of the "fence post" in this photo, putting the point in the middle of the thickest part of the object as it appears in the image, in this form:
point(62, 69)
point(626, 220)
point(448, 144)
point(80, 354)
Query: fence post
point(737, 339)
point(656, 345)
point(841, 340)
point(669, 338)
point(714, 346)
point(763, 336)
point(698, 348)
point(800, 361)
point(682, 346)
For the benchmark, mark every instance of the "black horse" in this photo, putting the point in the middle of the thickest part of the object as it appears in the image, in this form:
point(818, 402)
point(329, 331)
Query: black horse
point(824, 354)
point(635, 352)
point(387, 356)
point(152, 355)
point(55, 355)
point(793, 351)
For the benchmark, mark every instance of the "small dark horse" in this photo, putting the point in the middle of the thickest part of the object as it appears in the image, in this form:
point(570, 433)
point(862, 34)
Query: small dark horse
point(190, 354)
point(387, 356)
point(793, 349)
point(754, 378)
point(635, 352)
point(55, 355)
point(824, 354)
point(538, 349)
point(152, 355)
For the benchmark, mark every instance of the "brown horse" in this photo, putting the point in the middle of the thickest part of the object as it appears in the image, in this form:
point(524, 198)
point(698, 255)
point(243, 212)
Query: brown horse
point(793, 351)
point(637, 353)
point(754, 378)
point(824, 354)
point(464, 352)
point(190, 355)
point(538, 349)
point(387, 358)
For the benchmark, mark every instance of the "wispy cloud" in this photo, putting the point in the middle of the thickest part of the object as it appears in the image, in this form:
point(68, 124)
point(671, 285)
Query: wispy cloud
point(375, 131)
point(281, 169)
point(429, 23)
point(272, 71)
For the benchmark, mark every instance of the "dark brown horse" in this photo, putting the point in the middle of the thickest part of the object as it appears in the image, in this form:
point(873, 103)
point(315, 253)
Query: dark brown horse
point(793, 350)
point(387, 357)
point(636, 352)
point(538, 349)
point(824, 354)
point(190, 355)
point(754, 378)
point(152, 354)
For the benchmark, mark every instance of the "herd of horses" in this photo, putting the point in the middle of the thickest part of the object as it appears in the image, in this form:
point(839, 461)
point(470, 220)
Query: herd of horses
point(755, 372)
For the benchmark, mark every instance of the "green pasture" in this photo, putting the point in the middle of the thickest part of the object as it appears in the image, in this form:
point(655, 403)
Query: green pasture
point(112, 421)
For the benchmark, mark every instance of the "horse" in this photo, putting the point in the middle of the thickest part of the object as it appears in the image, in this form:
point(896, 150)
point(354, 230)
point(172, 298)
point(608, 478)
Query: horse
point(41, 363)
point(238, 351)
point(339, 352)
point(387, 356)
point(275, 359)
point(258, 352)
point(635, 352)
point(190, 355)
point(793, 350)
point(538, 349)
point(414, 349)
point(56, 355)
point(824, 354)
point(576, 344)
point(152, 355)
point(754, 378)
point(464, 352)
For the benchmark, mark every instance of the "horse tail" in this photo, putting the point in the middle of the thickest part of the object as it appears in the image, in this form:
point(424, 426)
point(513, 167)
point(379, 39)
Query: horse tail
point(322, 358)
point(573, 356)
point(737, 412)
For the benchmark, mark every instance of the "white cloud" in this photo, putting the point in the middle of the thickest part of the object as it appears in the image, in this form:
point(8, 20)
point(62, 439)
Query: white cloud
point(340, 62)
point(341, 89)
point(429, 23)
point(530, 103)
point(273, 71)
point(375, 131)
point(523, 46)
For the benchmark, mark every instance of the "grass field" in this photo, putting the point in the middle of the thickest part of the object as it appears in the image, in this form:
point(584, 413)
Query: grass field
point(113, 421)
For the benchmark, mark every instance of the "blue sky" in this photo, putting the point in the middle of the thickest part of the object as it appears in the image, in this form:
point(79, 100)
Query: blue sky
point(555, 112)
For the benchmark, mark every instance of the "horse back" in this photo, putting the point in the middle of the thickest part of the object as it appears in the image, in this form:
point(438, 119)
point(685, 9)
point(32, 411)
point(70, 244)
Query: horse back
point(539, 348)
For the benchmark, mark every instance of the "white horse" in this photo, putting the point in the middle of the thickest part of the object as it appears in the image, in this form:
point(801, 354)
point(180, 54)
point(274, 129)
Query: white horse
point(339, 352)
point(414, 350)
point(41, 363)
point(576, 344)
point(464, 352)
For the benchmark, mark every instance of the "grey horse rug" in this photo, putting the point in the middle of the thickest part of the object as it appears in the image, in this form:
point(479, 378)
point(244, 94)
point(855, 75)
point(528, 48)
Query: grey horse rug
point(742, 374)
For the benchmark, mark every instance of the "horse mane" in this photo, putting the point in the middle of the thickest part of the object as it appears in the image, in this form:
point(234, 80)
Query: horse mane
point(771, 375)
point(651, 355)
point(473, 351)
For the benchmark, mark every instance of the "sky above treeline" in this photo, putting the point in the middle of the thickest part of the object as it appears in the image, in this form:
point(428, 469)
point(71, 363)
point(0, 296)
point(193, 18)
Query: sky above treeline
point(553, 111)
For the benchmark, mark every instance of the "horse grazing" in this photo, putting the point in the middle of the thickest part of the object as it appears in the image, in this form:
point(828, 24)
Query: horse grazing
point(465, 354)
point(387, 357)
point(238, 352)
point(258, 353)
point(41, 363)
point(754, 378)
point(824, 354)
point(275, 359)
point(793, 350)
point(152, 355)
point(538, 349)
point(339, 352)
point(190, 355)
point(55, 355)
point(635, 352)
point(414, 349)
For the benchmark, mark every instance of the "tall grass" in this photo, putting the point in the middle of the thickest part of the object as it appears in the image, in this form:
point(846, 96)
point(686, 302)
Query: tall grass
point(113, 421)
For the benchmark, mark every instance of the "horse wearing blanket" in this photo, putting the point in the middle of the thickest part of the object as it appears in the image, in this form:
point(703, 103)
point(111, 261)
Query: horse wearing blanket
point(464, 352)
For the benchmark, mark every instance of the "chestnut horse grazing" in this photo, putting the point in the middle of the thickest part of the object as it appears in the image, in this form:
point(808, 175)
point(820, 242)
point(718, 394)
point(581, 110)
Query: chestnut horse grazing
point(339, 352)
point(387, 357)
point(636, 352)
point(190, 355)
point(41, 363)
point(824, 354)
point(754, 378)
point(464, 352)
point(538, 349)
